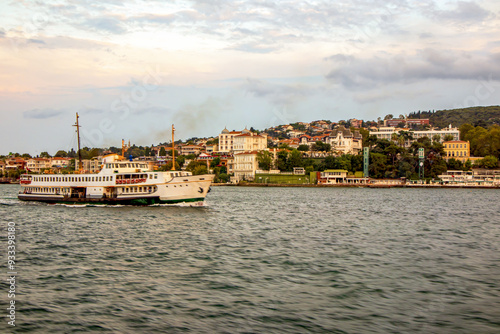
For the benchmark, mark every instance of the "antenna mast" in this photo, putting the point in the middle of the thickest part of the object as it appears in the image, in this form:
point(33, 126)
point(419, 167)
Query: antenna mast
point(80, 167)
point(173, 148)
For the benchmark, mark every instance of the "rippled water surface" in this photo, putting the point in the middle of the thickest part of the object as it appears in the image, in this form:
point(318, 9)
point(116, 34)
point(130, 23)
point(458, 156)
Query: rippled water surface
point(261, 260)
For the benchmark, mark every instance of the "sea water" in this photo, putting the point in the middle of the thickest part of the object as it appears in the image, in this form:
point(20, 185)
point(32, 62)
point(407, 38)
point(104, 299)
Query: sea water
point(259, 260)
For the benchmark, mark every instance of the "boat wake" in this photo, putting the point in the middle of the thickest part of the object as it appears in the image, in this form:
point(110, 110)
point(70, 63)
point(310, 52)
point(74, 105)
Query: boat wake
point(192, 204)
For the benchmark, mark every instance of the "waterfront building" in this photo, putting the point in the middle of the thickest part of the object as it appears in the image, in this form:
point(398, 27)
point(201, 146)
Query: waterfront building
point(245, 165)
point(2, 167)
point(476, 177)
point(457, 149)
point(332, 176)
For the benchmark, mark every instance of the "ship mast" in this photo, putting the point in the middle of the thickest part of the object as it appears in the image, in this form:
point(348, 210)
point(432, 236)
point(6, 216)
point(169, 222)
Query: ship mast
point(173, 148)
point(80, 167)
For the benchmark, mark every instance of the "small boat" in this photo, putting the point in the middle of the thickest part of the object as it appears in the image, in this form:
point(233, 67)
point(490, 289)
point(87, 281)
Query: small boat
point(119, 182)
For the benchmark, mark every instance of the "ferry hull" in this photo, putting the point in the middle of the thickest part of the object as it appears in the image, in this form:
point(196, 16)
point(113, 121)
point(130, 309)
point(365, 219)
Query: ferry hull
point(180, 189)
point(108, 201)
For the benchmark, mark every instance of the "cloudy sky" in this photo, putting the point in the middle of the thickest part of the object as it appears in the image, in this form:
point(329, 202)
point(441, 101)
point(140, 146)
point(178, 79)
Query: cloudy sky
point(131, 68)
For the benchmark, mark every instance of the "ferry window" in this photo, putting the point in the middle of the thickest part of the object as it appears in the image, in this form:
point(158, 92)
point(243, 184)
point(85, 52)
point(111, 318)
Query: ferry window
point(92, 179)
point(128, 165)
point(135, 189)
point(156, 176)
point(150, 176)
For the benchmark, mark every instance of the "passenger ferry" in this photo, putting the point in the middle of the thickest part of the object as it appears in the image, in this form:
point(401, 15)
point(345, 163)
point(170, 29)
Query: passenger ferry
point(118, 182)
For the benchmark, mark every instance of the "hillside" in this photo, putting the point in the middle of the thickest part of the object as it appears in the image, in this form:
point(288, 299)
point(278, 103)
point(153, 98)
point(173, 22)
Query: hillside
point(477, 116)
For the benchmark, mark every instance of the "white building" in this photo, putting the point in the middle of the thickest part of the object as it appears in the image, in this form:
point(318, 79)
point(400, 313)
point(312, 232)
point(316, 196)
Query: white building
point(60, 162)
point(249, 142)
point(388, 131)
point(345, 141)
point(240, 141)
point(245, 165)
point(37, 165)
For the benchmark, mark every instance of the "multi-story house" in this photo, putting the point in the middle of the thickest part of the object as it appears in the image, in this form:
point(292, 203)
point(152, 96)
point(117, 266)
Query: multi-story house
point(345, 141)
point(249, 141)
point(340, 139)
point(240, 141)
point(15, 163)
point(356, 123)
point(38, 165)
point(59, 162)
point(457, 149)
point(191, 149)
point(245, 165)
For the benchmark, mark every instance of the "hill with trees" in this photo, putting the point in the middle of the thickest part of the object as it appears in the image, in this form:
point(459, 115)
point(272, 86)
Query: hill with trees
point(476, 116)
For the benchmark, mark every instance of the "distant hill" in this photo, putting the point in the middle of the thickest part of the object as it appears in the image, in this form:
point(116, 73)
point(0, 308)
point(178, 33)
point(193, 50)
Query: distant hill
point(477, 116)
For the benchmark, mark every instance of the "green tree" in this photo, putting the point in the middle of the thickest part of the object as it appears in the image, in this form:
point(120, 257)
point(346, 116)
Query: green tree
point(303, 148)
point(163, 152)
point(223, 178)
point(168, 166)
point(95, 152)
point(489, 162)
point(282, 161)
point(464, 130)
point(437, 167)
point(294, 159)
point(454, 164)
point(448, 137)
point(320, 146)
point(378, 165)
point(61, 154)
point(215, 162)
point(44, 155)
point(194, 164)
point(265, 160)
point(200, 170)
point(180, 160)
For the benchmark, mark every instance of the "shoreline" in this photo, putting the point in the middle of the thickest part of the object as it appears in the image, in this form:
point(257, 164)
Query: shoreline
point(285, 185)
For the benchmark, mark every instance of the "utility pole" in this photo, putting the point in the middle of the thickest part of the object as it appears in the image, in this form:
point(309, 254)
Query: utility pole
point(421, 159)
point(80, 166)
point(173, 148)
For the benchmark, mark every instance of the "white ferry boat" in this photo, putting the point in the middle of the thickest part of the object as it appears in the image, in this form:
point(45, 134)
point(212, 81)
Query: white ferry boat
point(118, 182)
